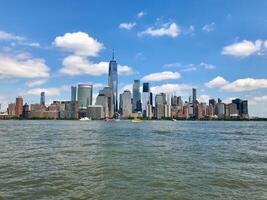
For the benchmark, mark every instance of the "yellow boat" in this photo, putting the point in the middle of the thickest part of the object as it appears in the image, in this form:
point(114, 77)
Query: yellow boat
point(136, 120)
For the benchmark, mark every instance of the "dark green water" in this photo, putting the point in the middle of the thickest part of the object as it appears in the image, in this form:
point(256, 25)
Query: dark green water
point(124, 160)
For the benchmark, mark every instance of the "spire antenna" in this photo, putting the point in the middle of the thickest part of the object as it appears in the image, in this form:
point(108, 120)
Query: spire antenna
point(112, 54)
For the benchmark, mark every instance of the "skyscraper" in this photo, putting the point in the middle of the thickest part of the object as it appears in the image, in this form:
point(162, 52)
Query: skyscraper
point(85, 95)
point(107, 91)
point(146, 96)
point(126, 104)
point(113, 81)
point(42, 99)
point(19, 105)
point(194, 95)
point(73, 93)
point(136, 96)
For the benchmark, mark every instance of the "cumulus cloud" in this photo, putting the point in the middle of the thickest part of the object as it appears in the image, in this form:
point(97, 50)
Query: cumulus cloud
point(246, 84)
point(10, 37)
point(204, 98)
point(172, 88)
point(127, 26)
point(36, 82)
point(160, 76)
point(22, 68)
point(168, 29)
point(216, 82)
point(209, 27)
point(48, 91)
point(207, 66)
point(243, 49)
point(77, 65)
point(140, 14)
point(79, 43)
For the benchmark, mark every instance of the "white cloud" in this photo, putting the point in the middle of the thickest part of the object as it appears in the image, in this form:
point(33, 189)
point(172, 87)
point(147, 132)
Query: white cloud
point(243, 49)
point(123, 69)
point(79, 43)
point(127, 87)
point(260, 98)
point(176, 64)
point(22, 68)
point(172, 88)
point(204, 98)
point(48, 91)
point(37, 82)
point(77, 65)
point(207, 66)
point(189, 68)
point(168, 29)
point(127, 26)
point(10, 37)
point(140, 14)
point(160, 76)
point(216, 82)
point(246, 84)
point(209, 27)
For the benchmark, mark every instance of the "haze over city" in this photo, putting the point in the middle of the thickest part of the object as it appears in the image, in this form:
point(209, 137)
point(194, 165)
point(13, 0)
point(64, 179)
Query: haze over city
point(218, 49)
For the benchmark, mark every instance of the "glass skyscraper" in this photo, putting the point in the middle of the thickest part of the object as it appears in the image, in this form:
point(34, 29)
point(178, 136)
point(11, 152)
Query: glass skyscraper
point(42, 99)
point(136, 96)
point(113, 81)
point(73, 93)
point(85, 95)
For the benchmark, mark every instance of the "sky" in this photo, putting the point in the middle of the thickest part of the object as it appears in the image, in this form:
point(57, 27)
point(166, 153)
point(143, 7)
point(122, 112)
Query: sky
point(219, 47)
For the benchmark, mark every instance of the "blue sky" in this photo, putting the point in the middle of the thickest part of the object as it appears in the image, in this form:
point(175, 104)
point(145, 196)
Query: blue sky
point(220, 47)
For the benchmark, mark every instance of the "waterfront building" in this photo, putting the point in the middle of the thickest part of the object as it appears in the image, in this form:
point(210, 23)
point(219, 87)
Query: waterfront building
point(220, 109)
point(107, 91)
point(73, 93)
point(160, 102)
point(102, 100)
point(137, 107)
point(146, 97)
point(25, 111)
point(113, 81)
point(149, 111)
point(199, 111)
point(210, 111)
point(85, 96)
point(126, 104)
point(68, 110)
point(212, 102)
point(42, 98)
point(186, 111)
point(11, 109)
point(95, 112)
point(19, 105)
point(244, 110)
point(167, 111)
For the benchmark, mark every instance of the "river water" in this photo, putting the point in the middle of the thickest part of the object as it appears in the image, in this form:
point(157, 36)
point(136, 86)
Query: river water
point(125, 160)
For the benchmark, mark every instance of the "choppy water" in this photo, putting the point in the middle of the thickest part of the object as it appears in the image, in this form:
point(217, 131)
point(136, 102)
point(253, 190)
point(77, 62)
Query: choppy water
point(124, 160)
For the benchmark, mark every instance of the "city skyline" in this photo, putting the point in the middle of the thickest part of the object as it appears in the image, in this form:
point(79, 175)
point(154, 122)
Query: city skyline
point(172, 50)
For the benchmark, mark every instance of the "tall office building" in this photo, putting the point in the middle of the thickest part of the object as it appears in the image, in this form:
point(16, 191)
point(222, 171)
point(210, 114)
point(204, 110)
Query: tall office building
point(194, 95)
point(102, 100)
point(146, 96)
point(85, 96)
point(126, 105)
point(113, 81)
point(136, 96)
point(73, 93)
point(107, 91)
point(212, 102)
point(19, 106)
point(160, 102)
point(42, 99)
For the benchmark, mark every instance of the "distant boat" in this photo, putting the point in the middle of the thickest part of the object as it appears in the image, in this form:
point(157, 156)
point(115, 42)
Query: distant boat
point(174, 120)
point(136, 120)
point(85, 119)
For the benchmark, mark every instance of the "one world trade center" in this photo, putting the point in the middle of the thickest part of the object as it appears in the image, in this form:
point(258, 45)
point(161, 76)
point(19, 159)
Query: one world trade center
point(113, 81)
